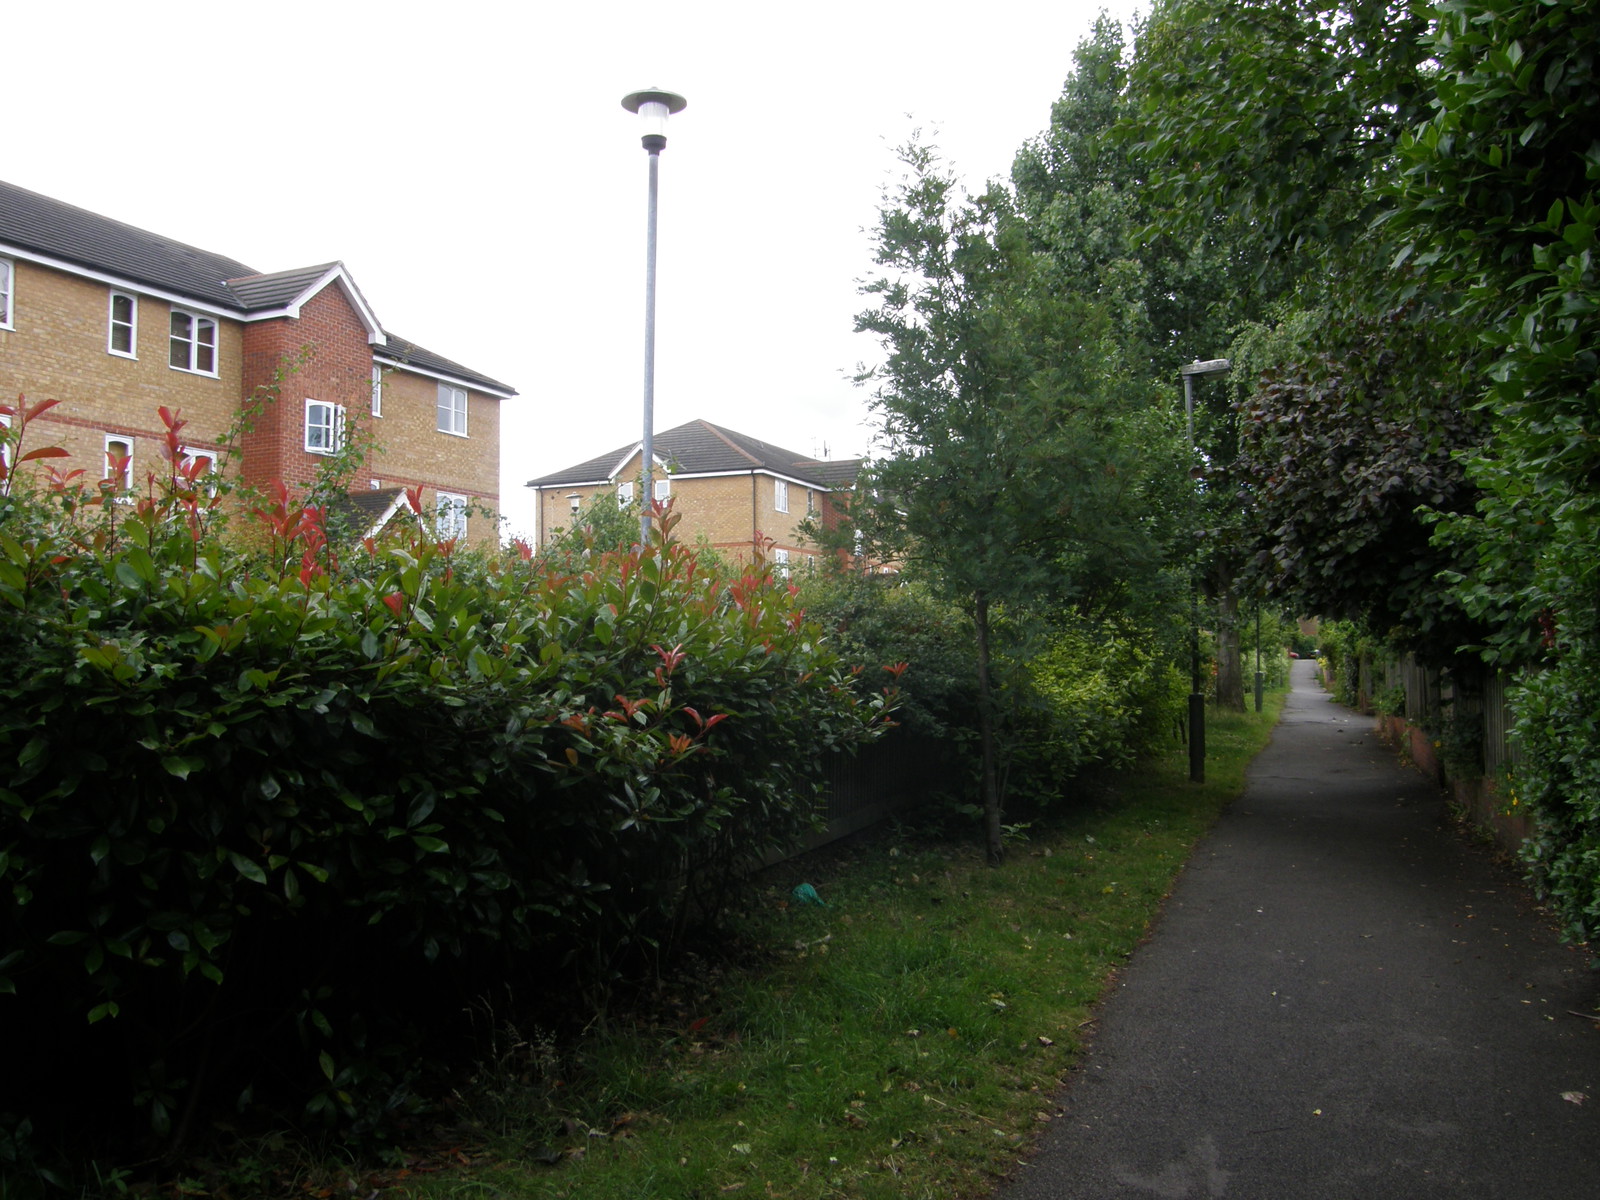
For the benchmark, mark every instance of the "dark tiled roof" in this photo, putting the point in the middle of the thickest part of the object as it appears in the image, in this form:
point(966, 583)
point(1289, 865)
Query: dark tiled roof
point(363, 510)
point(405, 353)
point(81, 237)
point(701, 448)
point(278, 289)
point(86, 239)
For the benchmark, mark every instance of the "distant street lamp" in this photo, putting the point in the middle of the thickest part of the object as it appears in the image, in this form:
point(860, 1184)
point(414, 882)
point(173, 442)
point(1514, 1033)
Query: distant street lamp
point(1197, 696)
point(654, 107)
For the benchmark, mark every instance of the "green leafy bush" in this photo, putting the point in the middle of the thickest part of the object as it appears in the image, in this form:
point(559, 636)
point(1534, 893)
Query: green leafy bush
point(882, 618)
point(269, 816)
point(1108, 696)
point(1558, 775)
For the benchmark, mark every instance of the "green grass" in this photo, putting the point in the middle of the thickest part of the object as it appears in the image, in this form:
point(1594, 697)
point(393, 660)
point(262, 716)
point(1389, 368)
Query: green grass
point(905, 1041)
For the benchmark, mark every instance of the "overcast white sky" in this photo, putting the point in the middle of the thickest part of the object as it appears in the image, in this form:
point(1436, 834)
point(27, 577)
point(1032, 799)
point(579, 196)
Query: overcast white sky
point(473, 167)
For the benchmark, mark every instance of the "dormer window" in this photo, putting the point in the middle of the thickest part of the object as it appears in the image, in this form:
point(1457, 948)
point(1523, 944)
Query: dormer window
point(193, 343)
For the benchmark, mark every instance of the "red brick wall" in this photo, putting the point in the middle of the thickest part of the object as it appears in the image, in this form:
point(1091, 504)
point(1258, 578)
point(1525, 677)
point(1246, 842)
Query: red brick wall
point(323, 355)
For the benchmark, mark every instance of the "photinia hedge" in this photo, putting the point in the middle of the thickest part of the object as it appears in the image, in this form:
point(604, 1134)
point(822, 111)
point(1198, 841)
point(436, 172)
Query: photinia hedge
point(268, 812)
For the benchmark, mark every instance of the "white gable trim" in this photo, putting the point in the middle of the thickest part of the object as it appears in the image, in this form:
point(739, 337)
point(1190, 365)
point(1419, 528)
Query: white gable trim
point(638, 451)
point(395, 505)
point(471, 385)
point(795, 479)
point(338, 274)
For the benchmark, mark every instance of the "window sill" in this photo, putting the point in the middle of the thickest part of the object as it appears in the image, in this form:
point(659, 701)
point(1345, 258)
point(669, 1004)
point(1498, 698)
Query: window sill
point(190, 371)
point(452, 433)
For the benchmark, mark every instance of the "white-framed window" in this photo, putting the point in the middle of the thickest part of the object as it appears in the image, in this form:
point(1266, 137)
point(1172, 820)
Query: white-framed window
point(780, 559)
point(5, 446)
point(193, 343)
point(452, 410)
point(449, 515)
point(662, 488)
point(8, 289)
point(377, 390)
point(625, 493)
point(122, 325)
point(324, 426)
point(780, 495)
point(119, 461)
point(207, 459)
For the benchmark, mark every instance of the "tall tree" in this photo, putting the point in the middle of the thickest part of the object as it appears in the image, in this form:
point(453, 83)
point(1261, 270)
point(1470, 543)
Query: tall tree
point(1006, 477)
point(1280, 119)
point(1177, 293)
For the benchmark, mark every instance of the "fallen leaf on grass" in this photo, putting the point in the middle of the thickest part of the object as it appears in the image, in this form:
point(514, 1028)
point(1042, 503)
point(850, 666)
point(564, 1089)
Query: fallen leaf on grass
point(1574, 1097)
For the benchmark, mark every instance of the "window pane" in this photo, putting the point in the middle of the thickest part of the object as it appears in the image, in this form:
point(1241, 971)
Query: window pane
point(122, 323)
point(182, 333)
point(119, 462)
point(319, 427)
point(452, 410)
point(205, 345)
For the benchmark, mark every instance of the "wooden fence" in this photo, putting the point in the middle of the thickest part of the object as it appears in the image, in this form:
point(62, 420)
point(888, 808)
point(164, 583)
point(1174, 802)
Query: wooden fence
point(897, 773)
point(1456, 724)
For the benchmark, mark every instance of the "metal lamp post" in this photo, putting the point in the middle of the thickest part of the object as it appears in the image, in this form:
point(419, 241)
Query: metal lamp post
point(654, 107)
point(1261, 679)
point(1197, 697)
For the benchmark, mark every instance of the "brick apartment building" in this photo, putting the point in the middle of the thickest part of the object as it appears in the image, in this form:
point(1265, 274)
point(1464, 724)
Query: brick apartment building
point(116, 322)
point(728, 487)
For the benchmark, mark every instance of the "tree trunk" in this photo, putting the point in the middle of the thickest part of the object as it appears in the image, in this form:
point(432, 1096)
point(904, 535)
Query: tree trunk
point(991, 783)
point(1230, 671)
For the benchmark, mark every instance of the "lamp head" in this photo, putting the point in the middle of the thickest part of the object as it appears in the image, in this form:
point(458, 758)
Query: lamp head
point(1211, 366)
point(654, 106)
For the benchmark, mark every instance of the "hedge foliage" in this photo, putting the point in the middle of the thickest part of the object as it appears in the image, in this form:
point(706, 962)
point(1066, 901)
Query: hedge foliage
point(1076, 694)
point(268, 811)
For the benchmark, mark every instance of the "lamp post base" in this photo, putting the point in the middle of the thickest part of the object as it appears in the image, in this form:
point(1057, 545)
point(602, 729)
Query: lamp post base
point(1197, 738)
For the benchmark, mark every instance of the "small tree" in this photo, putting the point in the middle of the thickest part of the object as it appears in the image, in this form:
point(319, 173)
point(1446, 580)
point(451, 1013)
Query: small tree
point(1007, 478)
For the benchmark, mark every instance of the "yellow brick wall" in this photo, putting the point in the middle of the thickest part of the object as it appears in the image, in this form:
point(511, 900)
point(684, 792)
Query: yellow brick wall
point(57, 350)
point(415, 452)
point(727, 510)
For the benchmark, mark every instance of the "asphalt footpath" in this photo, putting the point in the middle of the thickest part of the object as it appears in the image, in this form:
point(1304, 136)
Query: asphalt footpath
point(1345, 998)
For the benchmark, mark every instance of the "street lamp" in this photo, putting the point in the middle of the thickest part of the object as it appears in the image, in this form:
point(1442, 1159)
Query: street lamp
point(654, 107)
point(1197, 697)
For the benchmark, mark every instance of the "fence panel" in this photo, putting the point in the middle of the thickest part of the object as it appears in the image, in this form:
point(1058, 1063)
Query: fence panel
point(1499, 749)
point(898, 772)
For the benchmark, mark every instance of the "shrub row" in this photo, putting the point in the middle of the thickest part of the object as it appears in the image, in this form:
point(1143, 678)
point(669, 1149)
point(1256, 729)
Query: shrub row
point(271, 813)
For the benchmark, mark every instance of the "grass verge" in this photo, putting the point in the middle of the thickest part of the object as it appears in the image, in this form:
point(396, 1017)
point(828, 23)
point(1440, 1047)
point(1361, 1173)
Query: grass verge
point(906, 1040)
